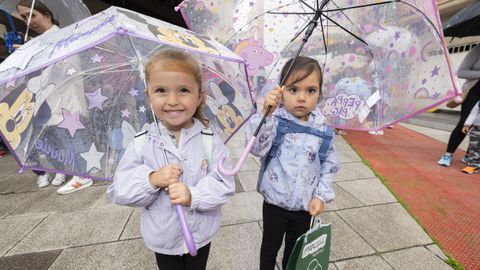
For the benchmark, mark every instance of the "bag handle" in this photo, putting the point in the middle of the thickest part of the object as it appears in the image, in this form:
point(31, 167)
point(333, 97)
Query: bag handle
point(313, 223)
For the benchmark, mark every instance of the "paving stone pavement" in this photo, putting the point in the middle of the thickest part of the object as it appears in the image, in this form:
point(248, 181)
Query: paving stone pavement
point(40, 229)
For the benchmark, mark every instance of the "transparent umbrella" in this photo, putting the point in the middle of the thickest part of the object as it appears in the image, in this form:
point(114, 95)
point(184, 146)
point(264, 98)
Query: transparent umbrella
point(71, 100)
point(395, 48)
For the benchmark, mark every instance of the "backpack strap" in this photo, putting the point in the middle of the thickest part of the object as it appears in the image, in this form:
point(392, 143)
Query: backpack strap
point(138, 141)
point(285, 126)
point(326, 144)
point(207, 138)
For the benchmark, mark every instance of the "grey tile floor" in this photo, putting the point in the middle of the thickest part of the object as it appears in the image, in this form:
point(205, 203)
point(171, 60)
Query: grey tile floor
point(42, 230)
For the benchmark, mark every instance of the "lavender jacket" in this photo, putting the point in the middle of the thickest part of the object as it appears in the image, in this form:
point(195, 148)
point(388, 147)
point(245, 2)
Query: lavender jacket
point(159, 224)
point(295, 175)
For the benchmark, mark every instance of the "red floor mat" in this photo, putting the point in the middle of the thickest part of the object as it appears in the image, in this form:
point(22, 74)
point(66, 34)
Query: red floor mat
point(444, 200)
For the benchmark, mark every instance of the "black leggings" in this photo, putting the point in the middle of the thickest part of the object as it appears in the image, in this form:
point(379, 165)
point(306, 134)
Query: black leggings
point(184, 262)
point(457, 136)
point(278, 222)
point(38, 172)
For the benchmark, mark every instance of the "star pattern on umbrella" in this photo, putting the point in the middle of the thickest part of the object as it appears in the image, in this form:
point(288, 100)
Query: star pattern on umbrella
point(435, 70)
point(96, 99)
point(125, 113)
point(436, 95)
point(397, 35)
point(96, 58)
point(71, 121)
point(71, 71)
point(92, 157)
point(133, 92)
point(111, 160)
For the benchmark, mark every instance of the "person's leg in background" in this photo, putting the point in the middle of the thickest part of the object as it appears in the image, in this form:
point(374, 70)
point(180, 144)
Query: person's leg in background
point(473, 157)
point(42, 179)
point(474, 146)
point(58, 179)
point(457, 136)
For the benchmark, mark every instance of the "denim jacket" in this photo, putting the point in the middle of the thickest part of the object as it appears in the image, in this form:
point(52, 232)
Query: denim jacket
point(295, 175)
point(209, 189)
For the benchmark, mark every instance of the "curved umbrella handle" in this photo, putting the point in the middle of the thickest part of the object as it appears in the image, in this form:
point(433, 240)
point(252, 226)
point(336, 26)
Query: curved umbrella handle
point(224, 171)
point(187, 234)
point(459, 99)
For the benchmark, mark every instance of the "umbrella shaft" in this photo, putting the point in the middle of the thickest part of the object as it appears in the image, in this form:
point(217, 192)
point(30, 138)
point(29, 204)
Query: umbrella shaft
point(269, 108)
point(311, 27)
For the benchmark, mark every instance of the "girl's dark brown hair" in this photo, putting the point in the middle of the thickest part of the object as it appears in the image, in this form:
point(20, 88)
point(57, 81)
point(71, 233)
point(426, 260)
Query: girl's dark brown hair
point(302, 68)
point(189, 63)
point(40, 7)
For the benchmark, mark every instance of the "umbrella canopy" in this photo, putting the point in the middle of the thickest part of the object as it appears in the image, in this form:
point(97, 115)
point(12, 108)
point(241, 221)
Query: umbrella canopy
point(65, 11)
point(465, 23)
point(390, 51)
point(71, 100)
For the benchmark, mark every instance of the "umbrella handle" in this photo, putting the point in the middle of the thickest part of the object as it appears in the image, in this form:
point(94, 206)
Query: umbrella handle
point(187, 234)
point(459, 99)
point(224, 171)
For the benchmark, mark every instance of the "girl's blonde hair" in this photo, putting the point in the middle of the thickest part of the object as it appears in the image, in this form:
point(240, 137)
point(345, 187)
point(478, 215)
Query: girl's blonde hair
point(190, 64)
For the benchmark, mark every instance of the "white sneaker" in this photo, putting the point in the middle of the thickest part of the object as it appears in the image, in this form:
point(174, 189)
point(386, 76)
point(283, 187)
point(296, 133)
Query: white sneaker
point(378, 132)
point(75, 184)
point(43, 180)
point(59, 179)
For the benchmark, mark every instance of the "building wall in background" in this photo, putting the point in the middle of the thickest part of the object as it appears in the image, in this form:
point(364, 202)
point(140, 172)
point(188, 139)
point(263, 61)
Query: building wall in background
point(457, 47)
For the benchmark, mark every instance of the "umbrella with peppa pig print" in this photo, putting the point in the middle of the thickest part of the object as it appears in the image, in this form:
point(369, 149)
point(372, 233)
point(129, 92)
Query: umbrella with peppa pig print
point(383, 61)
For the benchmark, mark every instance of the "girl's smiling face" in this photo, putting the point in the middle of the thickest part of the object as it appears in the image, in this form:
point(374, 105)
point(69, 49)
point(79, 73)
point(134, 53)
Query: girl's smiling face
point(174, 94)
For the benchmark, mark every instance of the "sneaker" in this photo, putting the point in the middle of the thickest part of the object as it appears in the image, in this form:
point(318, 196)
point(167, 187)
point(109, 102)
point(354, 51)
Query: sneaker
point(2, 153)
point(75, 184)
point(59, 179)
point(378, 132)
point(471, 169)
point(445, 160)
point(43, 180)
point(466, 160)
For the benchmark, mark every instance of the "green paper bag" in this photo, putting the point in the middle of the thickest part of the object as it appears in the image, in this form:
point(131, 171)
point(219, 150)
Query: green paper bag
point(312, 249)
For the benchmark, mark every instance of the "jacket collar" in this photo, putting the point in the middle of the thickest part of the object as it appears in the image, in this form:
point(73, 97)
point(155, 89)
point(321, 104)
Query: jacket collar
point(165, 140)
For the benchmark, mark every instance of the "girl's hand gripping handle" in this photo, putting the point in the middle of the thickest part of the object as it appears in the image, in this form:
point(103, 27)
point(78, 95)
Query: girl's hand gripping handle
point(224, 171)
